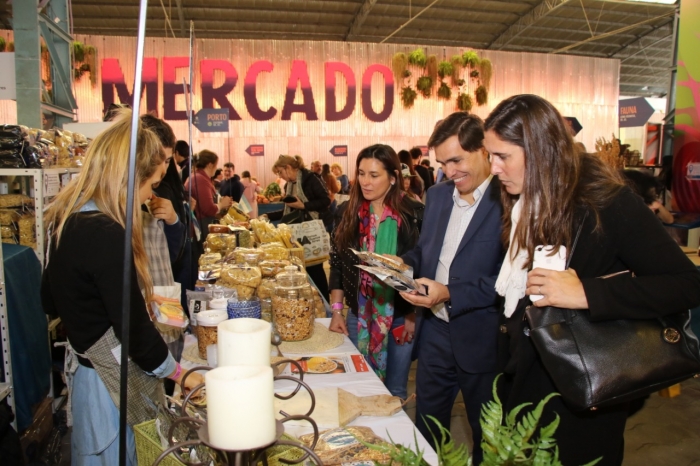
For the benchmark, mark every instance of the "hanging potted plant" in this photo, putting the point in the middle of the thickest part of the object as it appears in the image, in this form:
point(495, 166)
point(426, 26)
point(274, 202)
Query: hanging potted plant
point(408, 96)
point(445, 69)
point(425, 85)
point(399, 65)
point(470, 59)
point(418, 58)
point(482, 96)
point(457, 65)
point(486, 69)
point(444, 92)
point(464, 102)
point(2, 44)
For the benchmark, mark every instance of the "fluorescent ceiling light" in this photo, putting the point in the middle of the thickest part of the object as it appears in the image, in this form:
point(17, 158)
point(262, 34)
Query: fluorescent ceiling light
point(663, 2)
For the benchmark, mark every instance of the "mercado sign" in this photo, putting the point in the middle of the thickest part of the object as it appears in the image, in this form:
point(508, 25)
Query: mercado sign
point(113, 79)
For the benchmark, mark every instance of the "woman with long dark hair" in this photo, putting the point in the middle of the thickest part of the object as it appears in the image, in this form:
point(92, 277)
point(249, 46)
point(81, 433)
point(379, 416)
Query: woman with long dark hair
point(549, 189)
point(379, 217)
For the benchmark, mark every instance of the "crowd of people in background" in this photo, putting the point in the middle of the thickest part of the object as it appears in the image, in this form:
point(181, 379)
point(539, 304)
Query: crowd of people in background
point(503, 187)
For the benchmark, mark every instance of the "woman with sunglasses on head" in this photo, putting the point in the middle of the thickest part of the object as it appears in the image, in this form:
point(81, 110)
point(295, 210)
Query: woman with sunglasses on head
point(379, 217)
point(311, 201)
point(550, 191)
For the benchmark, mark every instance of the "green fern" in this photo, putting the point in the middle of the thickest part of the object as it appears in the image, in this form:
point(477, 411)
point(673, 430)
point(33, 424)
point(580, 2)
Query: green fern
point(445, 69)
point(408, 96)
point(506, 441)
point(425, 85)
point(418, 58)
point(444, 91)
point(471, 59)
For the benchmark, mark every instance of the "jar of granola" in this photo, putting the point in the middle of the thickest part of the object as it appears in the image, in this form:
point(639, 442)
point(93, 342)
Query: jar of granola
point(207, 334)
point(293, 305)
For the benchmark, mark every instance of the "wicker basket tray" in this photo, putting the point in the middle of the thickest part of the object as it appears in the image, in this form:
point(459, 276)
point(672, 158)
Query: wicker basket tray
point(148, 445)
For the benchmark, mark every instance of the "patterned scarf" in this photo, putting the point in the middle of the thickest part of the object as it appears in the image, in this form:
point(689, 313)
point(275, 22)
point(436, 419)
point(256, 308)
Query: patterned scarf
point(375, 312)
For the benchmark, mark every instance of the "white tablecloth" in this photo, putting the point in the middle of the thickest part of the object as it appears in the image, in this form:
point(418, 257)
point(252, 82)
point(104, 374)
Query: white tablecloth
point(399, 426)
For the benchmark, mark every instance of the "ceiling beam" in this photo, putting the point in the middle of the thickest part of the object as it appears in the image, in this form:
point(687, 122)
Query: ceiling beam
point(515, 29)
point(641, 36)
point(360, 18)
point(409, 21)
point(181, 15)
point(612, 33)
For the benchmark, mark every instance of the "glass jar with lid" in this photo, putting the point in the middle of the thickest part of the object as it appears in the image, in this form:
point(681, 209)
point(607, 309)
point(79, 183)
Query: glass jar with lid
point(293, 305)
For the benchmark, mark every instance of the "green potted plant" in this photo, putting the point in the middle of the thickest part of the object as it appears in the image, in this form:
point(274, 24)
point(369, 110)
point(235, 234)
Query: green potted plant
point(408, 96)
point(509, 439)
point(482, 95)
point(425, 85)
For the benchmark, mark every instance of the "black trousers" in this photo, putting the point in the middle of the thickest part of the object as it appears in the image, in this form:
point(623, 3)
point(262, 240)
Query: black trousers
point(438, 380)
point(318, 275)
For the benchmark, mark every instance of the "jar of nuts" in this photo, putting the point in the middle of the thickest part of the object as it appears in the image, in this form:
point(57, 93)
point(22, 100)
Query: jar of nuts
point(207, 334)
point(293, 305)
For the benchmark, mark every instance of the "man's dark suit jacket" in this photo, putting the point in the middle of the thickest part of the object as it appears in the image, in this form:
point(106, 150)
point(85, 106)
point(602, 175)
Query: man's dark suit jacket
point(473, 306)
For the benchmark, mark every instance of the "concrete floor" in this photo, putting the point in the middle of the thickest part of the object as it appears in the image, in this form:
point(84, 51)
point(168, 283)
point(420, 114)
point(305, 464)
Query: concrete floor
point(665, 432)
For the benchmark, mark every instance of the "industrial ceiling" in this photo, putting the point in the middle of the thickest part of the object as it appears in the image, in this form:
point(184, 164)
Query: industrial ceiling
point(639, 34)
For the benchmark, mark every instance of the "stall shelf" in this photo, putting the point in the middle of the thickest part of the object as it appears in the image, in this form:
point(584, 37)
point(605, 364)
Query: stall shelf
point(6, 389)
point(41, 184)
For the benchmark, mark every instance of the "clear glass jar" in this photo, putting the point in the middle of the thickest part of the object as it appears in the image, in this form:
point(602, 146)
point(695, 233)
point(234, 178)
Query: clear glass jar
point(207, 333)
point(293, 305)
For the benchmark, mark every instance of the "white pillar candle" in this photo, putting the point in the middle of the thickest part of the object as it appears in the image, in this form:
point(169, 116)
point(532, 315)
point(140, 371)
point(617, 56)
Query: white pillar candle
point(240, 407)
point(244, 342)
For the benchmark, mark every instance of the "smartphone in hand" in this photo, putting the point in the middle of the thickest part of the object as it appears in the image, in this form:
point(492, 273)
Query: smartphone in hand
point(397, 333)
point(543, 260)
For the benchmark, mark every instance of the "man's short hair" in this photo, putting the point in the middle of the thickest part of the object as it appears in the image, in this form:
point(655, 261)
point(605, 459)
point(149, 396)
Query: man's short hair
point(183, 149)
point(468, 128)
point(416, 153)
point(161, 128)
point(229, 165)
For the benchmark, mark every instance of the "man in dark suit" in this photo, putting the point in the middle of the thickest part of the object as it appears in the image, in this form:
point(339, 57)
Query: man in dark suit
point(458, 257)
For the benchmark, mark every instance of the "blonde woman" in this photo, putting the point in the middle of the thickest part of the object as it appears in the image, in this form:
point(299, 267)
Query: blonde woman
point(83, 281)
point(311, 201)
point(342, 178)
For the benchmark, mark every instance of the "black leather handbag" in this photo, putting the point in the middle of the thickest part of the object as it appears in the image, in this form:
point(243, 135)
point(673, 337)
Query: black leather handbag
point(596, 364)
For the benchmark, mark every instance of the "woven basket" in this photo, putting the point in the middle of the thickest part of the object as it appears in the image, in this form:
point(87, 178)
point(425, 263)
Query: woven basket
point(148, 445)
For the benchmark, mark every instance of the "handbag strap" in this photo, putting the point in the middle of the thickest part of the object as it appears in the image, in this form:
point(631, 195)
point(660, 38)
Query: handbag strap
point(578, 234)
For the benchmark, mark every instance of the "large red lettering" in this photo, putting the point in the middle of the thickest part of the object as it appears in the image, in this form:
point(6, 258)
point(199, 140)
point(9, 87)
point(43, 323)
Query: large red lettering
point(249, 91)
point(367, 108)
point(218, 94)
point(332, 113)
point(171, 89)
point(299, 76)
point(113, 78)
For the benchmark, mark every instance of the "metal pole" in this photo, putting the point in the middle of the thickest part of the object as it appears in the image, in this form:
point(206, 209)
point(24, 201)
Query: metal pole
point(128, 259)
point(190, 118)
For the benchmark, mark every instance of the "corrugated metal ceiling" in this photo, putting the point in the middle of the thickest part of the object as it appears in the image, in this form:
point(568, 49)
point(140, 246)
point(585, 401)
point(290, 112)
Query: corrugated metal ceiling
point(639, 34)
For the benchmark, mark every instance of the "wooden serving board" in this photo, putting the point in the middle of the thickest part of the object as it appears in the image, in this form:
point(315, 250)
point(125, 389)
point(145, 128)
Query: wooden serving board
point(350, 406)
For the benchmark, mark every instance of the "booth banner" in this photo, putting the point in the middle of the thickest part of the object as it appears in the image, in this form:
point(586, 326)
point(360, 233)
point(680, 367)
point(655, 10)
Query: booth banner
point(307, 97)
point(686, 143)
point(635, 112)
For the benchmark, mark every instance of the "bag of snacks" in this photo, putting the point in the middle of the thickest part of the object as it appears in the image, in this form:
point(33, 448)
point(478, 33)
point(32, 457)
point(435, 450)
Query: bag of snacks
point(270, 268)
point(275, 251)
point(345, 445)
